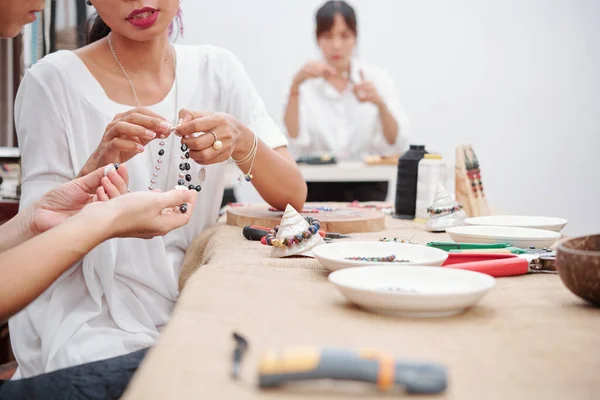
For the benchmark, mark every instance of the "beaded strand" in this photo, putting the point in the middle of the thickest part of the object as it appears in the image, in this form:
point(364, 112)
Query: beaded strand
point(312, 230)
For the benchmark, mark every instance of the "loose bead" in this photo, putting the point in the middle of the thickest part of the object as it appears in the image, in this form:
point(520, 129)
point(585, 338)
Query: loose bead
point(181, 182)
point(183, 208)
point(192, 187)
point(188, 178)
point(161, 152)
point(198, 188)
point(184, 147)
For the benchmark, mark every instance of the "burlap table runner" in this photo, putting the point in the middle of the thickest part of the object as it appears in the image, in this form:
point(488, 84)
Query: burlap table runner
point(529, 338)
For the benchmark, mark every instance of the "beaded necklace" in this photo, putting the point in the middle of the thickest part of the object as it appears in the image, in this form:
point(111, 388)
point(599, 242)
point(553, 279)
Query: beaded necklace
point(184, 167)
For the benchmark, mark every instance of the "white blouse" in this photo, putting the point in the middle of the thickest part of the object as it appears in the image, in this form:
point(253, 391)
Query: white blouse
point(339, 124)
point(121, 294)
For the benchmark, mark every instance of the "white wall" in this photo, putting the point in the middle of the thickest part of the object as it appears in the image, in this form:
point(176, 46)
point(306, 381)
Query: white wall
point(518, 79)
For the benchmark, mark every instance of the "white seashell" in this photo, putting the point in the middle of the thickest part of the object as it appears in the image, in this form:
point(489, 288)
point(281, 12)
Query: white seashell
point(443, 200)
point(292, 223)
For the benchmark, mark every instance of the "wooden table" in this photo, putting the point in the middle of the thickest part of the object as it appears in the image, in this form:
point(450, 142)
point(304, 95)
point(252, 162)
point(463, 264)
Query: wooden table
point(529, 338)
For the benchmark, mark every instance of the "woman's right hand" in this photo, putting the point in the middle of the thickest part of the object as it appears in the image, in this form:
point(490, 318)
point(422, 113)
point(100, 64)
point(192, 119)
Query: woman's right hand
point(313, 69)
point(142, 214)
point(126, 136)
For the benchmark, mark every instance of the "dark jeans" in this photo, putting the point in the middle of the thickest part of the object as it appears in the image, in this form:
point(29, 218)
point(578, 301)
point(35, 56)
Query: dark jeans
point(106, 379)
point(347, 191)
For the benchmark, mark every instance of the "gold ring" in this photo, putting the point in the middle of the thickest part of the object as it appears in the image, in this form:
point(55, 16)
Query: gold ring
point(217, 144)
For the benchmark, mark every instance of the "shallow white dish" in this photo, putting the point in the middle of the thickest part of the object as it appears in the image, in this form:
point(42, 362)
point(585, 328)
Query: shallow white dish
point(519, 237)
point(333, 256)
point(547, 223)
point(412, 291)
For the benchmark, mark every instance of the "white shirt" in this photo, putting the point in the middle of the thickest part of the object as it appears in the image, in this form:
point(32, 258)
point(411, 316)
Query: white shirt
point(117, 299)
point(339, 124)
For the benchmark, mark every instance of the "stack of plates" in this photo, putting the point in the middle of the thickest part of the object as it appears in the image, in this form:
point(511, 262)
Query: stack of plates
point(546, 223)
point(518, 237)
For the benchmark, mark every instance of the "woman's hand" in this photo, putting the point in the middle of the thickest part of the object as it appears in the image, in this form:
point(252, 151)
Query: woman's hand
point(143, 214)
point(366, 92)
point(199, 131)
point(66, 200)
point(126, 136)
point(313, 69)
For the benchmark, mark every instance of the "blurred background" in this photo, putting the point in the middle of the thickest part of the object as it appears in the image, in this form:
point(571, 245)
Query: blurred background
point(517, 79)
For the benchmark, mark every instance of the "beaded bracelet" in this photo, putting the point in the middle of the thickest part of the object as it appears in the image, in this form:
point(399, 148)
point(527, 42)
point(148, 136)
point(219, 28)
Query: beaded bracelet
point(391, 258)
point(313, 229)
point(438, 211)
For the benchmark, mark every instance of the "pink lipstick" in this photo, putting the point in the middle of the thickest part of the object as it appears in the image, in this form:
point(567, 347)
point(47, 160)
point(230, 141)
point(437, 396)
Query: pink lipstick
point(143, 18)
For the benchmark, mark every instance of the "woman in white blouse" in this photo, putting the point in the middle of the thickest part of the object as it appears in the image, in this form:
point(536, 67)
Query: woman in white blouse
point(341, 107)
point(119, 99)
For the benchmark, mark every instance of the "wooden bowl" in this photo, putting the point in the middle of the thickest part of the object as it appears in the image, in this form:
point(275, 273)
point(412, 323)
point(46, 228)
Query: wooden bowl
point(578, 263)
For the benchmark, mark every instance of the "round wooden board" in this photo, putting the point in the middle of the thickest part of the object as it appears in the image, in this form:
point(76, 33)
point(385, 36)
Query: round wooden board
point(340, 220)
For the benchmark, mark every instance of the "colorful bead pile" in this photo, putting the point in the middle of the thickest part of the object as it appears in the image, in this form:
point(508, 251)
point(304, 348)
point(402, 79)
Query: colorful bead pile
point(395, 240)
point(312, 230)
point(388, 259)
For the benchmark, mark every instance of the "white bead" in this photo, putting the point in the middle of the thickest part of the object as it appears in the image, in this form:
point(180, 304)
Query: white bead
point(109, 168)
point(150, 187)
point(182, 175)
point(152, 181)
point(159, 161)
point(162, 143)
point(180, 187)
point(155, 175)
point(157, 167)
point(183, 157)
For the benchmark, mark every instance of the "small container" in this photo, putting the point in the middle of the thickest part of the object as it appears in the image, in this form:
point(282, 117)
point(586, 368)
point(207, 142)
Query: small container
point(406, 186)
point(432, 171)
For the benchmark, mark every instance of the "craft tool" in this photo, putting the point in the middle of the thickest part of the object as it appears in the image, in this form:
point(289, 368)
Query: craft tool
point(485, 248)
point(257, 233)
point(241, 345)
point(367, 366)
point(503, 265)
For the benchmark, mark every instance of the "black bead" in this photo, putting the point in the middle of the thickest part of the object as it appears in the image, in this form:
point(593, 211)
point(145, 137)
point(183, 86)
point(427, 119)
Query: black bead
point(198, 188)
point(117, 165)
point(161, 152)
point(187, 166)
point(183, 208)
point(192, 187)
point(182, 167)
point(184, 147)
point(188, 178)
point(181, 182)
point(187, 155)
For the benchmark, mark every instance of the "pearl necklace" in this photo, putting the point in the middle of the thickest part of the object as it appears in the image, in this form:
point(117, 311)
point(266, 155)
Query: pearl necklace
point(184, 166)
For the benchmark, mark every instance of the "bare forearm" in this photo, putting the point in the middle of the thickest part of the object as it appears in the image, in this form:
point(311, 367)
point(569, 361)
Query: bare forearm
point(16, 231)
point(30, 268)
point(389, 124)
point(277, 178)
point(292, 114)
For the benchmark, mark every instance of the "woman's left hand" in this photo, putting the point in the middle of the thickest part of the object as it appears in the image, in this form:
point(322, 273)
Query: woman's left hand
point(213, 137)
point(365, 91)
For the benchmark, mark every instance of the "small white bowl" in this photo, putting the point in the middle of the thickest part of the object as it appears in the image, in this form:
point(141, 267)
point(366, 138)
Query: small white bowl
point(546, 223)
point(333, 256)
point(413, 291)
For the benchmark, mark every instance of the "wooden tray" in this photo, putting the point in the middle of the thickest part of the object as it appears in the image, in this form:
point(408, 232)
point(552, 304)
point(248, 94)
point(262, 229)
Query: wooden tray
point(340, 220)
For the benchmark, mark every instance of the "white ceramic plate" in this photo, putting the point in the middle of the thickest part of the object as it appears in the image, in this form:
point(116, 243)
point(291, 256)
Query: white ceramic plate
point(519, 237)
point(547, 223)
point(333, 256)
point(412, 291)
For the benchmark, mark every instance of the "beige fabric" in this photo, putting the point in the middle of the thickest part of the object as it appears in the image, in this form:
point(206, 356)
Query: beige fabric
point(529, 338)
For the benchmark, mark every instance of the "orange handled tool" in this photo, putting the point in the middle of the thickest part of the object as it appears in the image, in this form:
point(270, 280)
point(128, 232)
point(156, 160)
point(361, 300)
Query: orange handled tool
point(501, 265)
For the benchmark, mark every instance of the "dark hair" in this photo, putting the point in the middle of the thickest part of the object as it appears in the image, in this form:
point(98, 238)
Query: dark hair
point(326, 16)
point(97, 30)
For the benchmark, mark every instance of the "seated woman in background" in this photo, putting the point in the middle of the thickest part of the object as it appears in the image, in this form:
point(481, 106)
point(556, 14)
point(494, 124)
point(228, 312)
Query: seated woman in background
point(342, 107)
point(174, 114)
